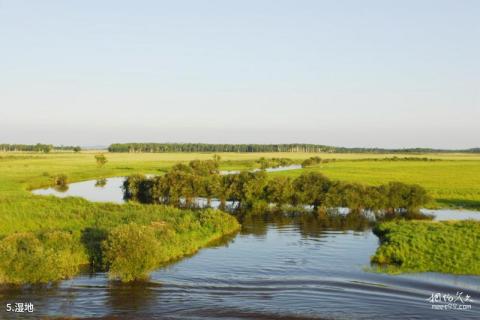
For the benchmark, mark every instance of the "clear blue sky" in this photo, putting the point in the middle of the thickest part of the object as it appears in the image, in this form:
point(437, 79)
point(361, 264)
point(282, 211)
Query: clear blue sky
point(348, 73)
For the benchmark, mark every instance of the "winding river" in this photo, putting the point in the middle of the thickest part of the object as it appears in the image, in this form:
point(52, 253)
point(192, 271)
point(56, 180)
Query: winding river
point(275, 268)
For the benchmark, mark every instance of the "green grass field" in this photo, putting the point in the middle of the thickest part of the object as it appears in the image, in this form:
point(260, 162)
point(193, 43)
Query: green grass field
point(454, 181)
point(451, 183)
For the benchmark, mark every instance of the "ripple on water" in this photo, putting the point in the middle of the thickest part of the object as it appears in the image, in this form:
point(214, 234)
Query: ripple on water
point(270, 270)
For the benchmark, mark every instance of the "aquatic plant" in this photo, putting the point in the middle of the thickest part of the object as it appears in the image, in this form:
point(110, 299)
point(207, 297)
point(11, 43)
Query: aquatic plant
point(428, 246)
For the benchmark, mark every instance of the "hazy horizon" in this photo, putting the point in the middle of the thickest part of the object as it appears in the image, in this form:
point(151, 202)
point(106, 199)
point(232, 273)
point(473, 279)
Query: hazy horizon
point(105, 146)
point(345, 73)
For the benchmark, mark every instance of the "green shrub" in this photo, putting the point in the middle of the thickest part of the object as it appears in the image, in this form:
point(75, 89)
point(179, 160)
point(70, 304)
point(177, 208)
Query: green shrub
point(311, 161)
point(65, 251)
point(26, 258)
point(60, 180)
point(279, 190)
point(130, 252)
point(274, 162)
point(22, 258)
point(100, 159)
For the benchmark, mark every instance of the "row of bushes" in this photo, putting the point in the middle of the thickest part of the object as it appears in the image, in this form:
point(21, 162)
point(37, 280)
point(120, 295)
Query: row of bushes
point(274, 162)
point(311, 161)
point(184, 183)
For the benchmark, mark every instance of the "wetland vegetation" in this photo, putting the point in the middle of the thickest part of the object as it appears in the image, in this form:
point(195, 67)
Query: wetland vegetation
point(79, 232)
point(182, 184)
point(46, 239)
point(425, 246)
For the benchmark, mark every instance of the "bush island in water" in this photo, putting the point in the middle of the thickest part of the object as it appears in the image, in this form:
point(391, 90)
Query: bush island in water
point(183, 183)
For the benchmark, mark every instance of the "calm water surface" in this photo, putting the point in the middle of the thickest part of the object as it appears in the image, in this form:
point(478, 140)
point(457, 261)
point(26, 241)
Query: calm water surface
point(110, 190)
point(276, 267)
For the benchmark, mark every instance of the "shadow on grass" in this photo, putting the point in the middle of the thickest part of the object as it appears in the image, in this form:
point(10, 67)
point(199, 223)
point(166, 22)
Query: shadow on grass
point(92, 240)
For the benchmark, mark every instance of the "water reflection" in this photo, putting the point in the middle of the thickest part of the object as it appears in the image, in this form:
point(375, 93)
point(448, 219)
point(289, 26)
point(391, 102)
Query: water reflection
point(101, 183)
point(110, 190)
point(131, 297)
point(90, 190)
point(62, 188)
point(40, 295)
point(279, 266)
point(289, 265)
point(308, 224)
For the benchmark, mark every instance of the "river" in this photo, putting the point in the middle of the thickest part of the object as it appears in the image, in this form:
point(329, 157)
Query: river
point(277, 267)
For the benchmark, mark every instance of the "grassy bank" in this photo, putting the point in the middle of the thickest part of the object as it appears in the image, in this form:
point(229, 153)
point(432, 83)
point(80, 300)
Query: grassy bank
point(37, 232)
point(425, 246)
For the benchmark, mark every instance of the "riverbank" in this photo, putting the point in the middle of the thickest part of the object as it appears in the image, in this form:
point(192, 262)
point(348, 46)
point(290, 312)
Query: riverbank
point(73, 230)
point(276, 267)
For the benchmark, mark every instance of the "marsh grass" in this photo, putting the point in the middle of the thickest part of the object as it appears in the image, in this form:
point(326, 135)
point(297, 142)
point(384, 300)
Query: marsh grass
point(455, 181)
point(33, 227)
point(26, 257)
point(426, 246)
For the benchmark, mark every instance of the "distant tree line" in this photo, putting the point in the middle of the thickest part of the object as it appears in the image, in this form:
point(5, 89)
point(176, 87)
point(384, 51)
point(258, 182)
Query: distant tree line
point(294, 147)
point(205, 147)
point(39, 147)
point(183, 184)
